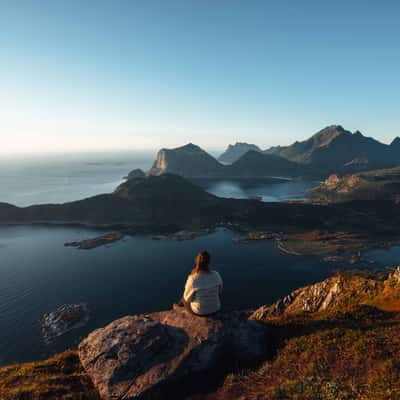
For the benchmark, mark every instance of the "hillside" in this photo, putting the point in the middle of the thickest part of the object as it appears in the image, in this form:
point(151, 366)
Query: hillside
point(150, 203)
point(256, 164)
point(336, 339)
point(373, 185)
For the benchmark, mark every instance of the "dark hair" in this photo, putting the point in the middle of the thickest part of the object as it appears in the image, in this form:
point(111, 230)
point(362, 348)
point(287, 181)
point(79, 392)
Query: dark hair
point(201, 263)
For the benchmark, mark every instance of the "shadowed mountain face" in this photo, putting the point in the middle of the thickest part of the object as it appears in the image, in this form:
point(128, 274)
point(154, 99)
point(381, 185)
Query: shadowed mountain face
point(395, 145)
point(335, 149)
point(192, 162)
point(235, 151)
point(254, 163)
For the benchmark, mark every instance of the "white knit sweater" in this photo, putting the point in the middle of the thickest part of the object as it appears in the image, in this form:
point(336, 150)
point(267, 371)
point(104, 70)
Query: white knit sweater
point(202, 292)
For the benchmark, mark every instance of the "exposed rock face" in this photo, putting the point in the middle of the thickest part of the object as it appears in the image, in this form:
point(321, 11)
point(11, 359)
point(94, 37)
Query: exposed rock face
point(133, 355)
point(331, 293)
point(332, 181)
point(396, 274)
point(373, 185)
point(235, 151)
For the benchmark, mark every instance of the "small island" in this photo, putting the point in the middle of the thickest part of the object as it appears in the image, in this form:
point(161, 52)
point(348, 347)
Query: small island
point(88, 244)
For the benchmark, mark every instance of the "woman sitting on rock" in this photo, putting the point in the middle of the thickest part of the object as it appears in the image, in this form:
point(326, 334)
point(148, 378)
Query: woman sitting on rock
point(203, 287)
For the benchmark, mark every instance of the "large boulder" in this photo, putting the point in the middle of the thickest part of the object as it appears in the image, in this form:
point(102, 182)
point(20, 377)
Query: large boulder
point(134, 355)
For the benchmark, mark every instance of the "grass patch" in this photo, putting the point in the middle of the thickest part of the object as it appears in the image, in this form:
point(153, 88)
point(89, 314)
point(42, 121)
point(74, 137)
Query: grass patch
point(60, 377)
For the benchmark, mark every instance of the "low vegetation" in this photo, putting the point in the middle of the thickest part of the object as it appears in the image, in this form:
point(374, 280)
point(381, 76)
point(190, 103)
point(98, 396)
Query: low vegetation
point(347, 356)
point(61, 377)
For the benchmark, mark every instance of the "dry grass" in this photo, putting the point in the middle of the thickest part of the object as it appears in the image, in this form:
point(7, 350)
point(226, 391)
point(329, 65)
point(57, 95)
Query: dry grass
point(347, 356)
point(60, 377)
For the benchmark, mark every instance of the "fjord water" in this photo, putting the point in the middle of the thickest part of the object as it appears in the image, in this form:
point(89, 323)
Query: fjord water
point(266, 189)
point(38, 274)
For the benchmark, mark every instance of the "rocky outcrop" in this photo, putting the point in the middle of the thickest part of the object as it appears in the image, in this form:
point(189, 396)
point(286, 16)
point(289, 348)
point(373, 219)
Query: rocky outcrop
point(235, 151)
point(395, 276)
point(373, 185)
point(63, 320)
point(135, 355)
point(333, 293)
point(341, 292)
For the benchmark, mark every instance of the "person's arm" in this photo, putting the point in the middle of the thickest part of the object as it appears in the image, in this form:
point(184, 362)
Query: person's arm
point(189, 290)
point(220, 283)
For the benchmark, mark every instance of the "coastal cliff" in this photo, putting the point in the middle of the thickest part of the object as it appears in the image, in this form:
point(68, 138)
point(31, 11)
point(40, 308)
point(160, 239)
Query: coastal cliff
point(335, 339)
point(188, 161)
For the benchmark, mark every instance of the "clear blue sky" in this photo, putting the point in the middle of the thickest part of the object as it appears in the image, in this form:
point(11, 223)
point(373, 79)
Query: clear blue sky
point(82, 75)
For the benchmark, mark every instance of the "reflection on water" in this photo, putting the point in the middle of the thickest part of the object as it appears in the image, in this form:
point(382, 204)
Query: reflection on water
point(268, 189)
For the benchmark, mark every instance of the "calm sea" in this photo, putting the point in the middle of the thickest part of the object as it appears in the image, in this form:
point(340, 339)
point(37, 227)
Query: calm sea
point(65, 177)
point(38, 274)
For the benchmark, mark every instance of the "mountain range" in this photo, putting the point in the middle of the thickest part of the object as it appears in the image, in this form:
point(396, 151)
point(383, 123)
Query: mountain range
point(331, 150)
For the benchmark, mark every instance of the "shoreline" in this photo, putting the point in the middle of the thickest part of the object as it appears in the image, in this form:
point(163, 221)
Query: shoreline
point(330, 246)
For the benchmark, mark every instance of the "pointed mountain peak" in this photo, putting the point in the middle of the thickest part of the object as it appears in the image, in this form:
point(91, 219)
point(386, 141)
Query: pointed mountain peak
point(189, 146)
point(396, 142)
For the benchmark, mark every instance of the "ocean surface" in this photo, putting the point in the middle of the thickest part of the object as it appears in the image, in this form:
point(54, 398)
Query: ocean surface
point(38, 274)
point(65, 177)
